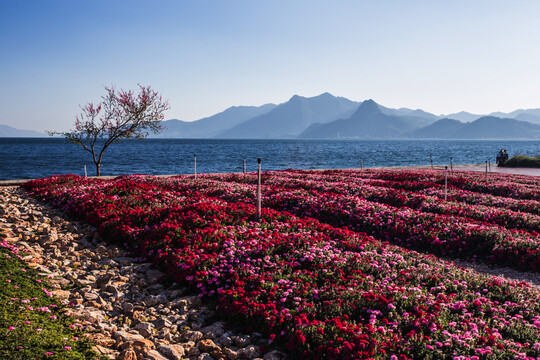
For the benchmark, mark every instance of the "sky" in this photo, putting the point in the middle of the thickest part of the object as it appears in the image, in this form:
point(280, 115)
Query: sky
point(207, 55)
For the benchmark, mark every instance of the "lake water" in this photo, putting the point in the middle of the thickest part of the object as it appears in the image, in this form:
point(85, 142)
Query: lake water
point(26, 158)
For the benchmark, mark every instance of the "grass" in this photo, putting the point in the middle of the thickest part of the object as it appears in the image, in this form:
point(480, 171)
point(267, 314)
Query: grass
point(523, 161)
point(32, 325)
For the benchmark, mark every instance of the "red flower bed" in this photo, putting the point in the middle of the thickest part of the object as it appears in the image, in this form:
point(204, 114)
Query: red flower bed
point(311, 285)
point(416, 221)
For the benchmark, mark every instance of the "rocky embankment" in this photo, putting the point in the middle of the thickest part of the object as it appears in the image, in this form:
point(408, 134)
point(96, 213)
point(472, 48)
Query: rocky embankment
point(121, 302)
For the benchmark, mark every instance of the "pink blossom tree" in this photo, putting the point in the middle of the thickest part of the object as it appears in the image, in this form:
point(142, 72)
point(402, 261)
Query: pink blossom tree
point(121, 114)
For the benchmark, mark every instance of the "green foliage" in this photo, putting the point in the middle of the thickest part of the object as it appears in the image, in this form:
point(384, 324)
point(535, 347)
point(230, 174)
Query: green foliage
point(31, 323)
point(523, 161)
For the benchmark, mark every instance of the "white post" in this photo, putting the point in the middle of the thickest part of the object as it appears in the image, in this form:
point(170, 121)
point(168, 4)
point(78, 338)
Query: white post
point(431, 161)
point(244, 165)
point(361, 163)
point(486, 170)
point(259, 189)
point(85, 170)
point(195, 163)
point(445, 182)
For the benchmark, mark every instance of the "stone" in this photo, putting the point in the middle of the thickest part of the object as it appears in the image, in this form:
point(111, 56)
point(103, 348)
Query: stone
point(153, 300)
point(213, 331)
point(181, 305)
point(123, 336)
point(162, 323)
point(164, 333)
point(275, 355)
point(225, 340)
point(138, 316)
point(52, 236)
point(108, 327)
point(61, 294)
point(194, 351)
point(194, 336)
point(90, 314)
point(249, 352)
point(154, 276)
point(143, 344)
point(231, 354)
point(128, 354)
point(103, 280)
point(103, 350)
point(205, 356)
point(188, 345)
point(140, 347)
point(127, 308)
point(111, 289)
point(173, 352)
point(93, 304)
point(207, 346)
point(101, 339)
point(155, 355)
point(242, 341)
point(145, 329)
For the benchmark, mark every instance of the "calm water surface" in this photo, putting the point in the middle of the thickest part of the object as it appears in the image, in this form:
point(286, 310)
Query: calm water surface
point(26, 158)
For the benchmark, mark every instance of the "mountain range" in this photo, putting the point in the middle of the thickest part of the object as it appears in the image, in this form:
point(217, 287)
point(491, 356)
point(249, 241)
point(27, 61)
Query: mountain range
point(8, 131)
point(329, 117)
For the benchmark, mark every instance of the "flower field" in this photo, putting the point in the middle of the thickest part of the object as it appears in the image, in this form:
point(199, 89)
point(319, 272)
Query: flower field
point(332, 269)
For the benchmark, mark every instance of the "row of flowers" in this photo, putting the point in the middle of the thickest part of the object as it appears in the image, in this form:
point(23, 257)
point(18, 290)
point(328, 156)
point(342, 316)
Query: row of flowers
point(507, 185)
point(319, 290)
point(445, 229)
point(403, 198)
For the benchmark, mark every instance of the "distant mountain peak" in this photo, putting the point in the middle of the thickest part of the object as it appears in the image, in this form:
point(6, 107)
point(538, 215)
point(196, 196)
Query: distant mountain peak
point(369, 106)
point(325, 94)
point(296, 98)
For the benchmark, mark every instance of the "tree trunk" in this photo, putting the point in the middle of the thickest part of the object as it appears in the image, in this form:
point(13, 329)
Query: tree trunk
point(98, 169)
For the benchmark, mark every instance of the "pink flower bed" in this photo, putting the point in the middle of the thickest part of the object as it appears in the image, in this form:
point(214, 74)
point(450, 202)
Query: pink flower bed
point(413, 220)
point(313, 274)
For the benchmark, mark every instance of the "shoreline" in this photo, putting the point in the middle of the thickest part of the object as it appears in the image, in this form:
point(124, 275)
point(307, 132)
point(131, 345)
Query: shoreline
point(457, 167)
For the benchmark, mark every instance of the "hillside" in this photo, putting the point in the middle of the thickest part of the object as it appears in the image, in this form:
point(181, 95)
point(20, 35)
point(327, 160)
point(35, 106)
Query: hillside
point(8, 131)
point(212, 125)
point(289, 119)
point(368, 121)
point(486, 127)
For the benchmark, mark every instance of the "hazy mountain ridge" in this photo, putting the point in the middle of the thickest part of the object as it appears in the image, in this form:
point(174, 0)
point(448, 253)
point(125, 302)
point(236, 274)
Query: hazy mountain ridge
point(371, 121)
point(289, 119)
point(8, 131)
point(328, 116)
point(212, 125)
point(368, 121)
point(486, 127)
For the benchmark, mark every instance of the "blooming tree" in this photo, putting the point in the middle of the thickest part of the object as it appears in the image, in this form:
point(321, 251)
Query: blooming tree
point(121, 114)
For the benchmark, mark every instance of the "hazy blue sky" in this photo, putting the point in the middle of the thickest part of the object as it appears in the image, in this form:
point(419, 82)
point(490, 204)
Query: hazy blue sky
point(204, 56)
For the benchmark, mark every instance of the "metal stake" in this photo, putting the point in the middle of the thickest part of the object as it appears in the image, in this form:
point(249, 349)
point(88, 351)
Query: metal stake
point(195, 164)
point(259, 189)
point(445, 182)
